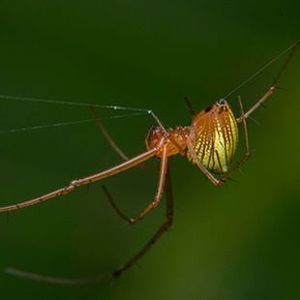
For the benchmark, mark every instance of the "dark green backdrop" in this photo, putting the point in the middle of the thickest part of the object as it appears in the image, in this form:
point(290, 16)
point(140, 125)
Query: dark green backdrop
point(239, 241)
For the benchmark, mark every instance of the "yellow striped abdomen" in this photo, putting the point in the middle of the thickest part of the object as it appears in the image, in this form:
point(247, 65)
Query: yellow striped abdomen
point(214, 135)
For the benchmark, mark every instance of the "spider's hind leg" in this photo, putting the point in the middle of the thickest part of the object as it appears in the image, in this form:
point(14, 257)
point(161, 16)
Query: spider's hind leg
point(274, 86)
point(157, 235)
point(114, 206)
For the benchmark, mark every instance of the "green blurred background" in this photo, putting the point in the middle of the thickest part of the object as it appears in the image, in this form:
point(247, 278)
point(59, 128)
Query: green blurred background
point(238, 241)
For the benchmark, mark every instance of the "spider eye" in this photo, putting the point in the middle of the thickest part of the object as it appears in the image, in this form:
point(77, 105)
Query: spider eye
point(221, 101)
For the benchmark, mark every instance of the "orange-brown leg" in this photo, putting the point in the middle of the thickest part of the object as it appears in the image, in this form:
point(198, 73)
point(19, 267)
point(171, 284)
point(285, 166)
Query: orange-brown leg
point(83, 181)
point(125, 267)
point(272, 88)
point(162, 229)
point(245, 115)
point(151, 205)
point(260, 101)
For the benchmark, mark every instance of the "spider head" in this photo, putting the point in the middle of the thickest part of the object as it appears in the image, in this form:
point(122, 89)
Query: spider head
point(154, 137)
point(221, 102)
point(222, 105)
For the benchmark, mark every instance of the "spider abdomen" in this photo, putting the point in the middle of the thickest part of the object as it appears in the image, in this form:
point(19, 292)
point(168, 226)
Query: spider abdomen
point(214, 136)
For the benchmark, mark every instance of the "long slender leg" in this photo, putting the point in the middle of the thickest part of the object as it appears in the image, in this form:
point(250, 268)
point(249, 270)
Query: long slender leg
point(247, 147)
point(260, 101)
point(100, 278)
point(246, 153)
point(160, 188)
point(152, 204)
point(107, 135)
point(287, 61)
point(162, 229)
point(114, 205)
point(242, 119)
point(57, 280)
point(272, 88)
point(117, 149)
point(83, 181)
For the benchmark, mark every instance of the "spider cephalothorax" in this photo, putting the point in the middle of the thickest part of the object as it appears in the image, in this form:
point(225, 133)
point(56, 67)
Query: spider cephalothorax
point(175, 140)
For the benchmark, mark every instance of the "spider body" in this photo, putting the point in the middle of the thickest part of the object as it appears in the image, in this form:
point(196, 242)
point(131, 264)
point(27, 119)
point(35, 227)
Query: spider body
point(213, 135)
point(210, 142)
point(175, 139)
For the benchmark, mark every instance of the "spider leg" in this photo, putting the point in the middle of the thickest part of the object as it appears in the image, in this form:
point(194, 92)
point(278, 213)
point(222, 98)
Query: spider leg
point(273, 87)
point(161, 230)
point(258, 103)
point(57, 280)
point(101, 278)
point(246, 153)
point(160, 188)
point(84, 181)
point(287, 61)
point(114, 205)
point(154, 203)
point(107, 135)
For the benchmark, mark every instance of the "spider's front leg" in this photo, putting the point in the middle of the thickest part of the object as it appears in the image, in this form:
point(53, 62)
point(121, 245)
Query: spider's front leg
point(74, 184)
point(126, 266)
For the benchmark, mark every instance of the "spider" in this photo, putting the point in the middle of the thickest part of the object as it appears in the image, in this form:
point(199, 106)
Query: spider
point(210, 143)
